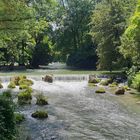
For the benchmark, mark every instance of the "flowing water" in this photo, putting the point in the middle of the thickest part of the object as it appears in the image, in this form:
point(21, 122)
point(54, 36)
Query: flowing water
point(76, 112)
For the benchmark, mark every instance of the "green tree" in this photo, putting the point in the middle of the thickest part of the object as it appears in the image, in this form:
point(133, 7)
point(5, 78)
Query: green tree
point(72, 28)
point(109, 21)
point(130, 39)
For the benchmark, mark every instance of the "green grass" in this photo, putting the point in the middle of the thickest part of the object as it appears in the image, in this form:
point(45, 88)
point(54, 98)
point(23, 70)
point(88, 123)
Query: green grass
point(57, 71)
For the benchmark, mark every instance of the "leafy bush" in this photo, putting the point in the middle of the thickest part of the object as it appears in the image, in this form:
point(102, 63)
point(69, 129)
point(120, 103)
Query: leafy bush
point(11, 85)
point(136, 82)
point(40, 114)
point(7, 120)
point(7, 94)
point(19, 117)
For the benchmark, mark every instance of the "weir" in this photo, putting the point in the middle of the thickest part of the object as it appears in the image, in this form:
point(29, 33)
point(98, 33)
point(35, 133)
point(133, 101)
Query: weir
point(70, 77)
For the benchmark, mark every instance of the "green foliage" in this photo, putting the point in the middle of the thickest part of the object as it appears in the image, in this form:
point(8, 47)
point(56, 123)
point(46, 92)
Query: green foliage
point(41, 55)
point(130, 39)
point(11, 85)
point(7, 94)
point(71, 34)
point(7, 120)
point(108, 24)
point(25, 97)
point(23, 87)
point(19, 118)
point(83, 57)
point(136, 82)
point(25, 82)
point(40, 114)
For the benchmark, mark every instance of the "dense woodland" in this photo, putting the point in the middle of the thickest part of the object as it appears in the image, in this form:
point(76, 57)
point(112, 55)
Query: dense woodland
point(102, 34)
point(86, 34)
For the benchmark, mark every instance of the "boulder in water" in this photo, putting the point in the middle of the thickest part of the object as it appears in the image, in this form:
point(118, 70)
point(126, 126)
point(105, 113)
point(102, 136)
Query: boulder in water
point(100, 90)
point(40, 114)
point(120, 91)
point(48, 78)
point(41, 99)
point(93, 79)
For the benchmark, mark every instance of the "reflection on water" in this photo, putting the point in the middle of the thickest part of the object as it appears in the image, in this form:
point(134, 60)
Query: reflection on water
point(77, 113)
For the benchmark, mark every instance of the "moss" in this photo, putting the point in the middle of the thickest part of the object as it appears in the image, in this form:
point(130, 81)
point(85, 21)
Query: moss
point(19, 118)
point(41, 100)
point(105, 82)
point(26, 82)
point(24, 97)
point(126, 88)
point(11, 85)
point(94, 80)
point(23, 87)
point(92, 85)
point(7, 94)
point(114, 84)
point(40, 114)
point(1, 86)
point(100, 90)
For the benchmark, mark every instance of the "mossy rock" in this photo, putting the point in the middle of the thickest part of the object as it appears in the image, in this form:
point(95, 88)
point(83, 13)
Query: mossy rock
point(19, 118)
point(1, 86)
point(114, 84)
point(7, 94)
point(41, 100)
point(40, 114)
point(100, 90)
point(94, 80)
point(92, 85)
point(24, 97)
point(21, 87)
point(15, 80)
point(120, 91)
point(48, 78)
point(105, 82)
point(126, 88)
point(12, 85)
point(26, 82)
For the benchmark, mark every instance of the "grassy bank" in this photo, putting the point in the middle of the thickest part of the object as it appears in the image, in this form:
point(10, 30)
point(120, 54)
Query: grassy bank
point(57, 71)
